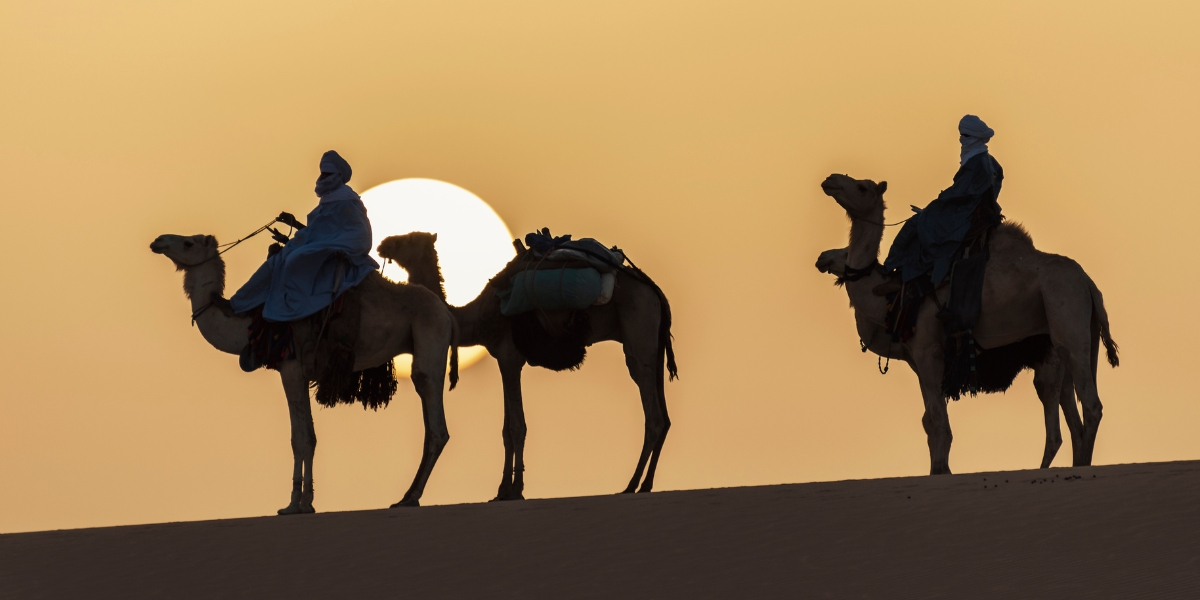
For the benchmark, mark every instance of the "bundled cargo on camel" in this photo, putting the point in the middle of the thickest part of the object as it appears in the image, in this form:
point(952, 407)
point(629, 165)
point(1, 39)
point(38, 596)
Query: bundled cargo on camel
point(556, 273)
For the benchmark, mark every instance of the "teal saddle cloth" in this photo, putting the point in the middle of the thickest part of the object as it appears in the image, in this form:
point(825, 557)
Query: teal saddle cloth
point(550, 289)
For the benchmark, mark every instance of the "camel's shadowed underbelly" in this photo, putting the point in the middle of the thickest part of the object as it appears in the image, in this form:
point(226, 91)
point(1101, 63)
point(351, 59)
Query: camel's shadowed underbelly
point(558, 345)
point(997, 368)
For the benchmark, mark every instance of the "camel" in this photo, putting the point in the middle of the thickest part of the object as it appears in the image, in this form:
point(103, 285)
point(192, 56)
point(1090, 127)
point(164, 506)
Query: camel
point(395, 319)
point(1050, 379)
point(1026, 293)
point(638, 317)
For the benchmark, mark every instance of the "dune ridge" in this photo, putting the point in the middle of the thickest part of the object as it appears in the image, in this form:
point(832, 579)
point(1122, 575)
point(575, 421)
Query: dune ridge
point(1120, 531)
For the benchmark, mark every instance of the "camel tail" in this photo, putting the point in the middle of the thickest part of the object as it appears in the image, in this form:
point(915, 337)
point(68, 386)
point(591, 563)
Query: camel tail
point(454, 353)
point(1100, 321)
point(664, 334)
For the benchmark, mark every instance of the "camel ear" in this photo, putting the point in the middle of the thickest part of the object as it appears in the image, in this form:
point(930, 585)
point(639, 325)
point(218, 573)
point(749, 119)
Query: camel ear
point(210, 241)
point(435, 237)
point(882, 187)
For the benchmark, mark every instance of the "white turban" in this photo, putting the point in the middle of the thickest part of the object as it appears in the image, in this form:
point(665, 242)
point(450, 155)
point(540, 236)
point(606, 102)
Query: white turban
point(973, 135)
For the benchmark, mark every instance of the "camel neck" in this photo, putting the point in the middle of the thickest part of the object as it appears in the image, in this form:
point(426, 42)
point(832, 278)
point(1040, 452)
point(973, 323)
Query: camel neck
point(203, 284)
point(427, 275)
point(865, 237)
point(467, 318)
point(203, 281)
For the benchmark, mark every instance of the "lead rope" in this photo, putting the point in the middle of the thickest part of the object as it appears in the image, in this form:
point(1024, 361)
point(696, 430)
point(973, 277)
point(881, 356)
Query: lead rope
point(884, 224)
point(883, 367)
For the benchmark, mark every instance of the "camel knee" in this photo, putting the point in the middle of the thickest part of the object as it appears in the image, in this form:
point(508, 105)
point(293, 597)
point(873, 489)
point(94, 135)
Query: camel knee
point(514, 432)
point(420, 381)
point(638, 367)
point(437, 440)
point(657, 424)
point(934, 424)
point(1054, 438)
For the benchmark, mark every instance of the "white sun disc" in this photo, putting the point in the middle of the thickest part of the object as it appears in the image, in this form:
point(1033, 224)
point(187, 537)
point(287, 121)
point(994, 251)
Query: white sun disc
point(473, 243)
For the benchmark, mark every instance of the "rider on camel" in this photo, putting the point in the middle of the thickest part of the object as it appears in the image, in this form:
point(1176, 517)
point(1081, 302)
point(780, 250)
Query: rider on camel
point(948, 240)
point(322, 260)
point(934, 238)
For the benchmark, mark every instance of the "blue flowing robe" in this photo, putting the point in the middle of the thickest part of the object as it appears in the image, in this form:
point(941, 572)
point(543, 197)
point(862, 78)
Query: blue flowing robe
point(929, 242)
point(306, 275)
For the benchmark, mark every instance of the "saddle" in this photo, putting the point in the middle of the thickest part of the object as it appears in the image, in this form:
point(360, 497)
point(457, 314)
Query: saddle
point(336, 328)
point(959, 316)
point(551, 284)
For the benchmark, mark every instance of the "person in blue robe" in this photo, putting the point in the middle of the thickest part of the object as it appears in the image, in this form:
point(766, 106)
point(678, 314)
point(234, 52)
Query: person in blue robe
point(321, 261)
point(949, 239)
point(930, 241)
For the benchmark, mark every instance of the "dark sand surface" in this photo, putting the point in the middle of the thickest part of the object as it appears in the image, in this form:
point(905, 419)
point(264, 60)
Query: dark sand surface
point(1124, 531)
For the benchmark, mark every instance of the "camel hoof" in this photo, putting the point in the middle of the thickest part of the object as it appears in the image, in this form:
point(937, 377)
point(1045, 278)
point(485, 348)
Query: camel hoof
point(507, 497)
point(407, 503)
point(291, 509)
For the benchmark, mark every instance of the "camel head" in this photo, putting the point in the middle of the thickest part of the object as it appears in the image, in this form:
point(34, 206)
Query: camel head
point(410, 249)
point(833, 261)
point(415, 253)
point(185, 251)
point(862, 198)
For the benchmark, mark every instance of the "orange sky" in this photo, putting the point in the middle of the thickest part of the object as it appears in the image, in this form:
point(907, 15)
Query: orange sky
point(694, 138)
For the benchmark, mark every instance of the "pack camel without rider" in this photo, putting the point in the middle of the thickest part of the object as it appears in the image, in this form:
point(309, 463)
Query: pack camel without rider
point(395, 319)
point(1029, 298)
point(637, 316)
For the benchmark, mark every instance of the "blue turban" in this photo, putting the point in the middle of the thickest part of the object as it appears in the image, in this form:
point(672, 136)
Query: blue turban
point(973, 135)
point(335, 172)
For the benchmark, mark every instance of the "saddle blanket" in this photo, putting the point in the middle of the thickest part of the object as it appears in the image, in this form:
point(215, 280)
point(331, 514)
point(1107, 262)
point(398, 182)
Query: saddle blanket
point(555, 289)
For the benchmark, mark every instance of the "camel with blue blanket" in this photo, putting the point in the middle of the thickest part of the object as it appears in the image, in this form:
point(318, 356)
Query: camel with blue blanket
point(318, 311)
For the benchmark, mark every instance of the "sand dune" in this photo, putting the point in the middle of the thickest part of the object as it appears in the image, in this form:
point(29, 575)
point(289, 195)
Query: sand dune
point(1124, 531)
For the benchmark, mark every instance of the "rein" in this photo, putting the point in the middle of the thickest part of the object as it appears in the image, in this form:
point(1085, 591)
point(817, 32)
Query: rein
point(229, 246)
point(884, 224)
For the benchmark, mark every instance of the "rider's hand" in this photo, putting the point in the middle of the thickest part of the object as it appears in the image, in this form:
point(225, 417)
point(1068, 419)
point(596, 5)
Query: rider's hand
point(289, 219)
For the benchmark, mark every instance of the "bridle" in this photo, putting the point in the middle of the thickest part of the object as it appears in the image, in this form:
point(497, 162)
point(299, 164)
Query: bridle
point(852, 274)
point(227, 247)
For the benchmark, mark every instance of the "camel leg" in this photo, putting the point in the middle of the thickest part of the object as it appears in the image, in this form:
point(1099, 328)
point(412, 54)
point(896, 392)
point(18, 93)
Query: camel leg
point(1093, 410)
point(927, 360)
point(1070, 410)
point(660, 365)
point(1048, 380)
point(512, 484)
point(1070, 329)
point(936, 422)
point(429, 378)
point(304, 438)
point(640, 351)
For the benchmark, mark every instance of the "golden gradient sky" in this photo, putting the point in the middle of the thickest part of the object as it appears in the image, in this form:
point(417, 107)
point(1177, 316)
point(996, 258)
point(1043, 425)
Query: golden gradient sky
point(693, 137)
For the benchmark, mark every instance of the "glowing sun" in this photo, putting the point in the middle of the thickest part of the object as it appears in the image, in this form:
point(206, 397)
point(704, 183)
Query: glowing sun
point(473, 243)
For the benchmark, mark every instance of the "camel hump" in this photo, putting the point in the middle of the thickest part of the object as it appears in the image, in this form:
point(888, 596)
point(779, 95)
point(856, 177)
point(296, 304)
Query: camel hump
point(1014, 232)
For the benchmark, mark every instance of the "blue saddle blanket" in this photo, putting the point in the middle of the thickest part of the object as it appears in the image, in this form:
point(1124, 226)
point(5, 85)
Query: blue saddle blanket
point(550, 289)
